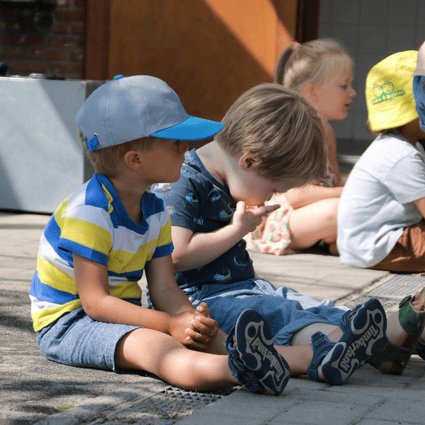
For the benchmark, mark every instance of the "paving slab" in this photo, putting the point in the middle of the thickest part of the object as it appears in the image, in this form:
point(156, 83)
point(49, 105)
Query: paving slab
point(34, 390)
point(395, 400)
point(320, 276)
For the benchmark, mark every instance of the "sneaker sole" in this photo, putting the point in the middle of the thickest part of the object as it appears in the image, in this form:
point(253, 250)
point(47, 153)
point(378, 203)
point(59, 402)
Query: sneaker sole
point(254, 343)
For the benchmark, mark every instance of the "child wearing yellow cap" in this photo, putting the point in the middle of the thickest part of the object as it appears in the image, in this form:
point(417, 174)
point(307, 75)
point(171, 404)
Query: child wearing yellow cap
point(382, 208)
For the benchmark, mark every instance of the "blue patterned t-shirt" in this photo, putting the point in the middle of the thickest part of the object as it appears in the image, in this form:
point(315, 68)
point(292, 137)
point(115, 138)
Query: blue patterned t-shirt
point(200, 203)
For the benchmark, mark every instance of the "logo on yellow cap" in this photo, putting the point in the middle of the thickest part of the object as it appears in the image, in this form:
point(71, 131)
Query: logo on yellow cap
point(385, 91)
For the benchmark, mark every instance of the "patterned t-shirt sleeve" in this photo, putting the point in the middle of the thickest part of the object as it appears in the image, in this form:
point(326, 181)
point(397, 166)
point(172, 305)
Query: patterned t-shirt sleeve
point(182, 202)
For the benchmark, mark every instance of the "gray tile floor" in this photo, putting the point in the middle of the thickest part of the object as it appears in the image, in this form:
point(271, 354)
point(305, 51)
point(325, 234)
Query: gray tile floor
point(33, 390)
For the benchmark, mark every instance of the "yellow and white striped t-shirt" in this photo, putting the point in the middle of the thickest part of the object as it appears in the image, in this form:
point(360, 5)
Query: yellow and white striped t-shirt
point(93, 223)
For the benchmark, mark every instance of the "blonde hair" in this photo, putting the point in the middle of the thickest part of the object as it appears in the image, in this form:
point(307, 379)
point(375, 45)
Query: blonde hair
point(105, 161)
point(313, 62)
point(281, 129)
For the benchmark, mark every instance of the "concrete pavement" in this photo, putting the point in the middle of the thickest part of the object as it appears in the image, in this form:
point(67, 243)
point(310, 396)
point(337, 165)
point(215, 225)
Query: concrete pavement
point(34, 390)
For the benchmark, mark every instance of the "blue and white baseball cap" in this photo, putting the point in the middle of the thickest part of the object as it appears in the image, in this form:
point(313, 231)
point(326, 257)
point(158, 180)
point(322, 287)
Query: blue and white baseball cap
point(129, 108)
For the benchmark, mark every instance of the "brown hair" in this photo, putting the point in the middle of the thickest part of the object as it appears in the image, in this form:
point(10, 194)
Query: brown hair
point(105, 160)
point(311, 62)
point(387, 132)
point(282, 129)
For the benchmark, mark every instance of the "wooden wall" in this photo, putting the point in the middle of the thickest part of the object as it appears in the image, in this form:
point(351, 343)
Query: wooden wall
point(208, 51)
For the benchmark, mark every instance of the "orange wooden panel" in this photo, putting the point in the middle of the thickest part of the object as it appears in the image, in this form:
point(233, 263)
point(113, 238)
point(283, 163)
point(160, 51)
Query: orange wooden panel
point(287, 11)
point(207, 54)
point(256, 24)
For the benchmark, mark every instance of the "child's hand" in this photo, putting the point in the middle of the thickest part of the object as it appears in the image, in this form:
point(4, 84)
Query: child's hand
point(193, 329)
point(203, 331)
point(203, 325)
point(203, 310)
point(248, 219)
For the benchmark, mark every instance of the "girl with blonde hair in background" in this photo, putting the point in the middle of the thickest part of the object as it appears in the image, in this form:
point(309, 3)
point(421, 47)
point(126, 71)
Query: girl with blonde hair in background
point(322, 71)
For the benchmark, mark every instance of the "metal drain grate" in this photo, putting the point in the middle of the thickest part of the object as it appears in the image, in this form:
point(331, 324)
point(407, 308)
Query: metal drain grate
point(389, 292)
point(164, 408)
point(178, 393)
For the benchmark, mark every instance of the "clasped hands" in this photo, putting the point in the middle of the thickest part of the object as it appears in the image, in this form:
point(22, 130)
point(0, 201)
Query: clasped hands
point(194, 328)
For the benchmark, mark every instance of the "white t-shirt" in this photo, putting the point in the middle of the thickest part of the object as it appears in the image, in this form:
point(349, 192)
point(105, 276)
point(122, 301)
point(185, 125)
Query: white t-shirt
point(377, 202)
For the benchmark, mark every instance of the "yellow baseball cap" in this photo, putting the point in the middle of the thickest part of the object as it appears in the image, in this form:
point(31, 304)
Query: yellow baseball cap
point(389, 91)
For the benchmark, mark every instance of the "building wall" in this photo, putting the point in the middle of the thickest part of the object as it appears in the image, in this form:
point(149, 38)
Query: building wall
point(208, 51)
point(59, 52)
point(371, 30)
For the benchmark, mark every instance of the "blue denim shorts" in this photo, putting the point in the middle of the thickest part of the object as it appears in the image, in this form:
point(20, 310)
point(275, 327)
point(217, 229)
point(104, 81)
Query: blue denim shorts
point(75, 339)
point(419, 93)
point(285, 310)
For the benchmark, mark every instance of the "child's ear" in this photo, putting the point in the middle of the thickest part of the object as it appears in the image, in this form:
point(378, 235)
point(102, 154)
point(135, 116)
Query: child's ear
point(309, 91)
point(247, 160)
point(132, 159)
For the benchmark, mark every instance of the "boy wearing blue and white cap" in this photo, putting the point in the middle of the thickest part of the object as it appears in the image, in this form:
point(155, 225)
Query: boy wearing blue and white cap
point(85, 297)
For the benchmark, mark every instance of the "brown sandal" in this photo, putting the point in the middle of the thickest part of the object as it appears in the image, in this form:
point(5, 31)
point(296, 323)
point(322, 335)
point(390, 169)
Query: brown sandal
point(393, 359)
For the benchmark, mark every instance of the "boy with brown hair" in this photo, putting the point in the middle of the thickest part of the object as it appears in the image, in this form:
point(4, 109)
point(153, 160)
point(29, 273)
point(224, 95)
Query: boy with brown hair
point(85, 295)
point(272, 141)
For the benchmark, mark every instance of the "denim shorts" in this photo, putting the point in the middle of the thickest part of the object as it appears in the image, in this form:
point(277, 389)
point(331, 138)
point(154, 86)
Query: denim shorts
point(419, 93)
point(75, 339)
point(285, 310)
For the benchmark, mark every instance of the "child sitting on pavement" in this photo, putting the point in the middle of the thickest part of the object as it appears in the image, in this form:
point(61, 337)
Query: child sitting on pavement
point(322, 71)
point(381, 216)
point(272, 141)
point(85, 295)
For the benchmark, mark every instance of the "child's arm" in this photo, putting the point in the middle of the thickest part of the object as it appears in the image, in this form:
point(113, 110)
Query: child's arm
point(93, 289)
point(163, 290)
point(192, 250)
point(167, 296)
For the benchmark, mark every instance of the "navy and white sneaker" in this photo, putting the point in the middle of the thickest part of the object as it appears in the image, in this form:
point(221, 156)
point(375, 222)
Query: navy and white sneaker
point(254, 353)
point(364, 330)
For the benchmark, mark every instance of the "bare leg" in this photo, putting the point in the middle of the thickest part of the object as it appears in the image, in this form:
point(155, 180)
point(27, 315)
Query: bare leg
point(219, 344)
point(164, 356)
point(312, 223)
point(303, 336)
point(395, 332)
point(301, 359)
point(298, 358)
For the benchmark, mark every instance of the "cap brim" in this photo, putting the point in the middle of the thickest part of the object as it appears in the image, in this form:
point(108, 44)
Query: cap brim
point(190, 129)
